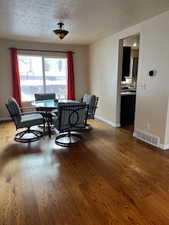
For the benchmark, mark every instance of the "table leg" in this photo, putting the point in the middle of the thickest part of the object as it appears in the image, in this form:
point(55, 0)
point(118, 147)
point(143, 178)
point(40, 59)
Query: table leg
point(49, 127)
point(48, 124)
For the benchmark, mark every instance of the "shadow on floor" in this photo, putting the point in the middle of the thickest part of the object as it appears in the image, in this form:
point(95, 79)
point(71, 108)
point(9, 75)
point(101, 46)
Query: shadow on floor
point(16, 150)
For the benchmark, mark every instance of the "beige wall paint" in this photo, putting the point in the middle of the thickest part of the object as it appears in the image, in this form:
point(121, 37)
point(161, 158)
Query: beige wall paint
point(81, 66)
point(152, 92)
point(101, 79)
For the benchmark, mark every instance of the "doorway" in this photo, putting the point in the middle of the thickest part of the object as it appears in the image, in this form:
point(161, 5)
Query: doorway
point(128, 81)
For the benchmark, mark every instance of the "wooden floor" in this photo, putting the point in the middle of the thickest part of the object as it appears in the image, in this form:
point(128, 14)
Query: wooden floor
point(129, 128)
point(110, 179)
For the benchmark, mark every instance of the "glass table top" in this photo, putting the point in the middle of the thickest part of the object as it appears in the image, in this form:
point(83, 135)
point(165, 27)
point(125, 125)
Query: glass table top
point(51, 103)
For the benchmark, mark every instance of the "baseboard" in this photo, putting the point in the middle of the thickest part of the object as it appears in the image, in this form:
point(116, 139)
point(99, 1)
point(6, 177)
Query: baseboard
point(158, 145)
point(5, 119)
point(164, 147)
point(107, 121)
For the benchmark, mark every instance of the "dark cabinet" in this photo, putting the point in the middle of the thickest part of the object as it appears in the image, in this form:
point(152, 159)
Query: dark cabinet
point(127, 114)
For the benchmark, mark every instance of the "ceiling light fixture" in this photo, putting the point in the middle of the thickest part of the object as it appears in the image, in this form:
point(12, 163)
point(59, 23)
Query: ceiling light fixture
point(135, 44)
point(61, 33)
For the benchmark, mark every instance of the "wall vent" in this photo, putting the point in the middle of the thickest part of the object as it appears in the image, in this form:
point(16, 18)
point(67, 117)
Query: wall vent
point(148, 138)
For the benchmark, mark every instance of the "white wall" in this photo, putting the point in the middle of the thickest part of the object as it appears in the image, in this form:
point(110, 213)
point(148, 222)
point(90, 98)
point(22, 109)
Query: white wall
point(81, 66)
point(152, 101)
point(101, 79)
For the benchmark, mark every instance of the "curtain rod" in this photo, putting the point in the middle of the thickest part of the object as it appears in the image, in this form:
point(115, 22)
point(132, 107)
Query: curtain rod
point(41, 50)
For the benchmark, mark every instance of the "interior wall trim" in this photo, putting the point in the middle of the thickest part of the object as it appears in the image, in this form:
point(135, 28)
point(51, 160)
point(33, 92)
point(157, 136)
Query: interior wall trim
point(158, 145)
point(164, 147)
point(5, 119)
point(115, 125)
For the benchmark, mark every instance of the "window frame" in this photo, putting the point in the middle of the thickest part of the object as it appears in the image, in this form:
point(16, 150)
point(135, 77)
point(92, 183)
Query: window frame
point(43, 56)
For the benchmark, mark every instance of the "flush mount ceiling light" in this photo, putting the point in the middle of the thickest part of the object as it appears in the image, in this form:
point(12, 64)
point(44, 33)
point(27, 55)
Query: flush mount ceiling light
point(61, 33)
point(135, 44)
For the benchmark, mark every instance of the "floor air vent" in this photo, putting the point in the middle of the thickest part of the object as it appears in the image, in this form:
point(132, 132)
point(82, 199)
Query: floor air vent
point(149, 138)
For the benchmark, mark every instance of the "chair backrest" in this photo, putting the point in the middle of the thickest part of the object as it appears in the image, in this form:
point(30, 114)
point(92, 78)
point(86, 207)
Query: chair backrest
point(95, 107)
point(14, 110)
point(72, 116)
point(92, 101)
point(46, 96)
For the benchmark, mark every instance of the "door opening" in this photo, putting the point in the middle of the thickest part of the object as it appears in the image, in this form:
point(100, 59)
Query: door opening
point(128, 81)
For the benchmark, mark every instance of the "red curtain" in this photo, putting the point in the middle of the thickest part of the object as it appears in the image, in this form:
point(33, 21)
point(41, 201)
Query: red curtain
point(70, 83)
point(16, 87)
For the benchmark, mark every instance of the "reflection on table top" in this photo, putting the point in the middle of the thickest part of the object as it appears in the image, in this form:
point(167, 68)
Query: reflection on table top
point(50, 103)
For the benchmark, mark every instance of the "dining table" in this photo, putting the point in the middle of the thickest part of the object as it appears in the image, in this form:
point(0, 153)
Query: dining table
point(47, 106)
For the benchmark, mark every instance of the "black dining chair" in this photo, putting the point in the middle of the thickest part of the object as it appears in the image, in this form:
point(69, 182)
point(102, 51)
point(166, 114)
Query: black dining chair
point(25, 120)
point(45, 96)
point(92, 101)
point(71, 119)
point(47, 115)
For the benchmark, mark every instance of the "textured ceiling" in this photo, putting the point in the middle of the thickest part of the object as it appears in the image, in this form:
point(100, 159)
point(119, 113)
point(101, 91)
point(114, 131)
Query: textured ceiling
point(87, 20)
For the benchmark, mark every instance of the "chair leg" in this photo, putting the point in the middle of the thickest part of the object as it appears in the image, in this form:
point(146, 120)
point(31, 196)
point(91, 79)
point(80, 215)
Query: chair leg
point(36, 135)
point(88, 127)
point(44, 128)
point(70, 137)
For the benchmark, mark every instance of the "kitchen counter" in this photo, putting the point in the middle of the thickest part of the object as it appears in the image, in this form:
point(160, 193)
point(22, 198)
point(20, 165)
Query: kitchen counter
point(128, 93)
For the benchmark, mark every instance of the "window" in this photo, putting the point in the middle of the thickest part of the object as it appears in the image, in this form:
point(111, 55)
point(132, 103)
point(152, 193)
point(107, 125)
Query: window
point(56, 76)
point(39, 74)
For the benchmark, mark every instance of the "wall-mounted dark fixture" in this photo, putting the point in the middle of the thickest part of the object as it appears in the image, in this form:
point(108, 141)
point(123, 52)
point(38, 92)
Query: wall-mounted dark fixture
point(61, 33)
point(151, 73)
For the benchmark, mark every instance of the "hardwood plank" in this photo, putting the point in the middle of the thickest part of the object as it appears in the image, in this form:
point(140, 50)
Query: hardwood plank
point(109, 179)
